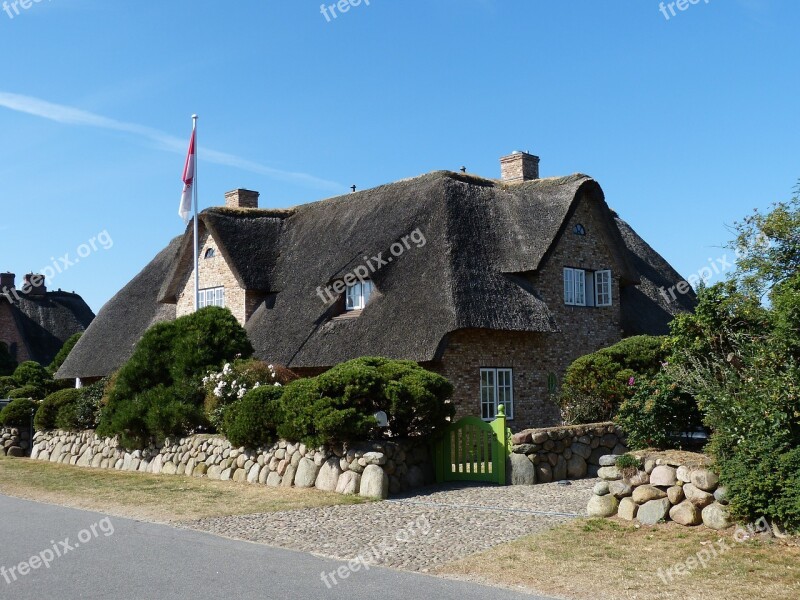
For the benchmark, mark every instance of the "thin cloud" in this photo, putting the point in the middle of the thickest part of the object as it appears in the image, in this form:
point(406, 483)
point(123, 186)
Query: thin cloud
point(74, 116)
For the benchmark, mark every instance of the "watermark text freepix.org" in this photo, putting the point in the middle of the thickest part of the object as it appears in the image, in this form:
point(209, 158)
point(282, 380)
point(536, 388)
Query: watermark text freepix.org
point(376, 553)
point(668, 8)
point(361, 273)
point(329, 11)
point(56, 550)
point(12, 7)
point(58, 265)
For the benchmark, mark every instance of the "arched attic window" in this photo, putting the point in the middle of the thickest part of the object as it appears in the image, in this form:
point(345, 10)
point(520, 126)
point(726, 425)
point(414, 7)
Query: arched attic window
point(210, 253)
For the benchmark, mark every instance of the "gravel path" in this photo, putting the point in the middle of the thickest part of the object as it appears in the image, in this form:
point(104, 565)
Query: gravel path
point(416, 532)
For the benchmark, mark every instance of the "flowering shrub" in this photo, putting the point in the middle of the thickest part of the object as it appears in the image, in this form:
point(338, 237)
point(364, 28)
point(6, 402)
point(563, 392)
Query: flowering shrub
point(236, 378)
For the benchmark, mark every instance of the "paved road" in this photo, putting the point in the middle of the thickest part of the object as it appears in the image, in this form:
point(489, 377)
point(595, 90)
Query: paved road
point(91, 555)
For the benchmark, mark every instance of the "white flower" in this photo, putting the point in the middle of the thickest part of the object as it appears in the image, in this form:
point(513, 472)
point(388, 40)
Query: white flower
point(241, 393)
point(257, 385)
point(227, 368)
point(276, 384)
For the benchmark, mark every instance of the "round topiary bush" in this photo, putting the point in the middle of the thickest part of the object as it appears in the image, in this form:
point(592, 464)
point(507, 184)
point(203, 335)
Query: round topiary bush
point(18, 413)
point(31, 373)
point(253, 420)
point(340, 404)
point(49, 408)
point(26, 391)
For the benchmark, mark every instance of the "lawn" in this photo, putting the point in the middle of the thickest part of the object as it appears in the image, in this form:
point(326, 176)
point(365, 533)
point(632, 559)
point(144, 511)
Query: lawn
point(160, 498)
point(589, 559)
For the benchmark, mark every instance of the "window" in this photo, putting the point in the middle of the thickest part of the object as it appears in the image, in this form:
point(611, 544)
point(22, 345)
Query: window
point(212, 297)
point(579, 229)
point(358, 295)
point(587, 288)
point(574, 287)
point(602, 288)
point(210, 253)
point(497, 387)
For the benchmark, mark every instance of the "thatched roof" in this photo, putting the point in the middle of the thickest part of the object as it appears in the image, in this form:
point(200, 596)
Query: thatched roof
point(122, 321)
point(46, 322)
point(645, 309)
point(482, 240)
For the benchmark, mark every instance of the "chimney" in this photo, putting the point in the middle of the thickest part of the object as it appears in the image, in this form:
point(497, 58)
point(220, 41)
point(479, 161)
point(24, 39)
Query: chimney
point(241, 199)
point(518, 167)
point(34, 286)
point(7, 281)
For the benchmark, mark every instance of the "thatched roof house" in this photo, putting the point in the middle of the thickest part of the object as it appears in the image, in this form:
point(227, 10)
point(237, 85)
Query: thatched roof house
point(35, 323)
point(496, 284)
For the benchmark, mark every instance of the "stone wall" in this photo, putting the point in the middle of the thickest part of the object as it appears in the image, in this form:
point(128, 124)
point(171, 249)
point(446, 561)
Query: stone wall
point(558, 453)
point(372, 469)
point(685, 491)
point(14, 442)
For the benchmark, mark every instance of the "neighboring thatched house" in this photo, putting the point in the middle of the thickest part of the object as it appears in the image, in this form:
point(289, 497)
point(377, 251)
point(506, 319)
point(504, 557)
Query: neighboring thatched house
point(497, 285)
point(35, 323)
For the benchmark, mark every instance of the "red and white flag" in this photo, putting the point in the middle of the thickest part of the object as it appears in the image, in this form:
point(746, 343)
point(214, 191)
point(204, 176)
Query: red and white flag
point(189, 171)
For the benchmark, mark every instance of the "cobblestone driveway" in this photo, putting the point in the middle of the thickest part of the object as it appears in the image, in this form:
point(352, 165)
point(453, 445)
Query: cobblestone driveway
point(459, 520)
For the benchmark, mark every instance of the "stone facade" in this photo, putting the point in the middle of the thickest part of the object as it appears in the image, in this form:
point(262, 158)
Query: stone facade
point(558, 453)
point(534, 357)
point(518, 167)
point(14, 442)
point(10, 333)
point(215, 272)
point(372, 469)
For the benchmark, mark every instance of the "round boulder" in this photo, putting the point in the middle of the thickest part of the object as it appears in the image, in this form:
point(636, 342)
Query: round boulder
point(663, 475)
point(653, 511)
point(716, 516)
point(697, 496)
point(648, 493)
point(602, 506)
point(705, 479)
point(686, 513)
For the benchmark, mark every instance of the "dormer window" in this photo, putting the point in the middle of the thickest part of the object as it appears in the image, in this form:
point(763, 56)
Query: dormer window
point(587, 288)
point(210, 253)
point(358, 295)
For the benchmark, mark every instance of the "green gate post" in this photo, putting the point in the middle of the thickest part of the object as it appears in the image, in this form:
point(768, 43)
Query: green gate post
point(503, 445)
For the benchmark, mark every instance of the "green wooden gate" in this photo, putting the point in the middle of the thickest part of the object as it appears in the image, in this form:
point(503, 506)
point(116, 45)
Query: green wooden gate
point(473, 450)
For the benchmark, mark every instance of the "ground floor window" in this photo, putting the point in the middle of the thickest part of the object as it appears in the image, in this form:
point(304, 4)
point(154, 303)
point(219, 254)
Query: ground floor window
point(212, 297)
point(497, 387)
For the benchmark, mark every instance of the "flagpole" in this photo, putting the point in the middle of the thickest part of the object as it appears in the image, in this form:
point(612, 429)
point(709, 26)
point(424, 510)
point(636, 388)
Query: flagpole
point(196, 240)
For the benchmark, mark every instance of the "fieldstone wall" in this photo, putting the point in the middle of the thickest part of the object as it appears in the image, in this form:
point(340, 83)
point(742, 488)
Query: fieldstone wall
point(14, 441)
point(371, 469)
point(557, 453)
point(684, 491)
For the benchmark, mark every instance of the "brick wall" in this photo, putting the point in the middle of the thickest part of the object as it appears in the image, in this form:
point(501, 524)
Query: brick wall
point(533, 356)
point(216, 272)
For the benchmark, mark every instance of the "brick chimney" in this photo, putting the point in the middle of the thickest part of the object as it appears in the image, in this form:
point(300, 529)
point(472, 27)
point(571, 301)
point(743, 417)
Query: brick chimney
point(7, 281)
point(241, 199)
point(518, 167)
point(34, 285)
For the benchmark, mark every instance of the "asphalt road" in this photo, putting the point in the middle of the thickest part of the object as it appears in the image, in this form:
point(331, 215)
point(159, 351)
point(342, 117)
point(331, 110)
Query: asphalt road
point(63, 554)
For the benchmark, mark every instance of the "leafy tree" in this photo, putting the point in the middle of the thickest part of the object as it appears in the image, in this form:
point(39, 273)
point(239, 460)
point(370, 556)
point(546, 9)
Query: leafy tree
point(63, 353)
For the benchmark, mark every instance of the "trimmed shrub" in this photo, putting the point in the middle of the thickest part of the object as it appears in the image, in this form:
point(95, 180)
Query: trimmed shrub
point(658, 413)
point(7, 383)
point(158, 392)
point(27, 391)
point(340, 404)
point(253, 420)
point(48, 410)
point(596, 385)
point(31, 373)
point(18, 413)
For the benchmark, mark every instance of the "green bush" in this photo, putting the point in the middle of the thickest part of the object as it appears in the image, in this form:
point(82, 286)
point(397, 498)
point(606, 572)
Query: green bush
point(658, 413)
point(18, 413)
point(7, 383)
point(158, 392)
point(253, 420)
point(596, 385)
point(63, 353)
point(27, 391)
point(31, 373)
point(7, 362)
point(340, 404)
point(48, 410)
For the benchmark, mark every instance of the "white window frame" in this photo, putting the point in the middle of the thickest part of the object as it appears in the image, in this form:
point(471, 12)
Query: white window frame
point(603, 288)
point(357, 295)
point(494, 383)
point(211, 297)
point(574, 287)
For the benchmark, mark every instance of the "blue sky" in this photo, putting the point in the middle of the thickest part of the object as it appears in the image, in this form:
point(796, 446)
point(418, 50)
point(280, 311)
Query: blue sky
point(688, 123)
